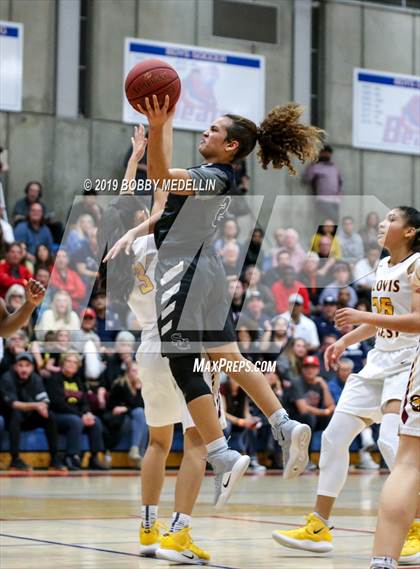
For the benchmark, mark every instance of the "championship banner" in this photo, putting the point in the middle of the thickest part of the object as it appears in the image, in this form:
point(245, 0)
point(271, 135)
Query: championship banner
point(11, 66)
point(386, 111)
point(214, 82)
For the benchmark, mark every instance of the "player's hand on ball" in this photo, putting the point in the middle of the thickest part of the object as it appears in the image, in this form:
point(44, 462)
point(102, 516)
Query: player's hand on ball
point(35, 292)
point(345, 316)
point(157, 116)
point(332, 354)
point(125, 243)
point(139, 142)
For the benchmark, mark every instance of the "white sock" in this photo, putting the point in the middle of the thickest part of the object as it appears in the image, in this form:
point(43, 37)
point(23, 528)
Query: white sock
point(149, 515)
point(217, 446)
point(388, 438)
point(278, 417)
point(179, 522)
point(326, 522)
point(383, 563)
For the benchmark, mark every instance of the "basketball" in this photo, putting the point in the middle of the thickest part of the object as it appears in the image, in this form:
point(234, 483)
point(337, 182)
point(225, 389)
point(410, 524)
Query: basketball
point(152, 77)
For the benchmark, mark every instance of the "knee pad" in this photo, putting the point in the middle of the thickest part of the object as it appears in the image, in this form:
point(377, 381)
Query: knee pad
point(388, 438)
point(190, 382)
point(327, 448)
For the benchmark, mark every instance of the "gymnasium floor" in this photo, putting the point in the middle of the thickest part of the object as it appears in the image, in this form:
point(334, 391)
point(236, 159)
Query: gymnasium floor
point(92, 521)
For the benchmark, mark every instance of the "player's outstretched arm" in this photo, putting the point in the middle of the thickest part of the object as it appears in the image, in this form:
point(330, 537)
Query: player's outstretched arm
point(10, 323)
point(160, 148)
point(139, 143)
point(333, 353)
point(409, 323)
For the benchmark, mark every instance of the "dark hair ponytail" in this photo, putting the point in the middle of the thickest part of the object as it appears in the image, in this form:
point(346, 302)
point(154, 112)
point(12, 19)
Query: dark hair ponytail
point(412, 218)
point(281, 137)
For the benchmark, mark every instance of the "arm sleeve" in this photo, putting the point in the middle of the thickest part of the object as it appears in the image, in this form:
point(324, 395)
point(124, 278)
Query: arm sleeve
point(209, 181)
point(8, 390)
point(40, 391)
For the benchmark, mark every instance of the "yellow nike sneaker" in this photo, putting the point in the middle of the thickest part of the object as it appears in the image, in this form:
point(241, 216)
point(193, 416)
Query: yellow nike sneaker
point(180, 548)
point(410, 554)
point(315, 536)
point(150, 539)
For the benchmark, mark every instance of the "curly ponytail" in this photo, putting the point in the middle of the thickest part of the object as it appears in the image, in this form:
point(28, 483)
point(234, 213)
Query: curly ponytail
point(281, 137)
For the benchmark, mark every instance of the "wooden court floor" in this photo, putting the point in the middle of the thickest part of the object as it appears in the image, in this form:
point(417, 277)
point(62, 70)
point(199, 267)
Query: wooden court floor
point(92, 521)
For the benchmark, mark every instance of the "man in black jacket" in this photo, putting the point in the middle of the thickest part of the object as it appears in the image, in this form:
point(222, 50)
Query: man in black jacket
point(27, 407)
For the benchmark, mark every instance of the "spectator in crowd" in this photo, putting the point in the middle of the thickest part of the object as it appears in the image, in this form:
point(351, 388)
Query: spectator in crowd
point(60, 316)
point(67, 393)
point(287, 286)
point(254, 311)
point(242, 426)
point(369, 232)
point(275, 339)
point(344, 297)
point(64, 278)
point(313, 402)
point(87, 330)
point(88, 204)
point(247, 339)
point(302, 326)
point(253, 254)
point(325, 322)
point(43, 258)
point(11, 269)
point(230, 233)
point(78, 234)
point(336, 385)
point(351, 243)
point(117, 364)
point(125, 410)
point(107, 320)
point(231, 259)
point(7, 229)
point(85, 257)
point(294, 248)
point(42, 275)
point(15, 298)
point(364, 270)
point(277, 272)
point(16, 344)
point(252, 282)
point(33, 194)
point(237, 293)
point(47, 354)
point(326, 182)
point(26, 407)
point(289, 364)
point(342, 278)
point(27, 259)
point(34, 231)
point(311, 278)
point(330, 247)
point(279, 235)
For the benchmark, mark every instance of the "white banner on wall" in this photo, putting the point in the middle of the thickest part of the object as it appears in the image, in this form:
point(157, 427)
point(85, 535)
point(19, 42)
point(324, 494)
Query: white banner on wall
point(386, 111)
point(214, 82)
point(11, 66)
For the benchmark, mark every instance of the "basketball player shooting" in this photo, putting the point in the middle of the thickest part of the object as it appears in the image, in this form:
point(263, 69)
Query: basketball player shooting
point(184, 224)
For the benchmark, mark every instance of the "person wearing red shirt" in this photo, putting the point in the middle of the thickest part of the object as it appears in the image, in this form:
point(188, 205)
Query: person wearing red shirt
point(63, 278)
point(286, 286)
point(11, 270)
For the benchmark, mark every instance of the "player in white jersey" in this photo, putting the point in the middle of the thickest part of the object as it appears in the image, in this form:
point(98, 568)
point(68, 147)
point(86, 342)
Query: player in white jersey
point(164, 405)
point(374, 394)
point(400, 493)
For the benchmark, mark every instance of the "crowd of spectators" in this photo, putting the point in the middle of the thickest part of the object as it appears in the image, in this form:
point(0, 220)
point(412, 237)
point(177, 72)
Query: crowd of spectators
point(71, 370)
